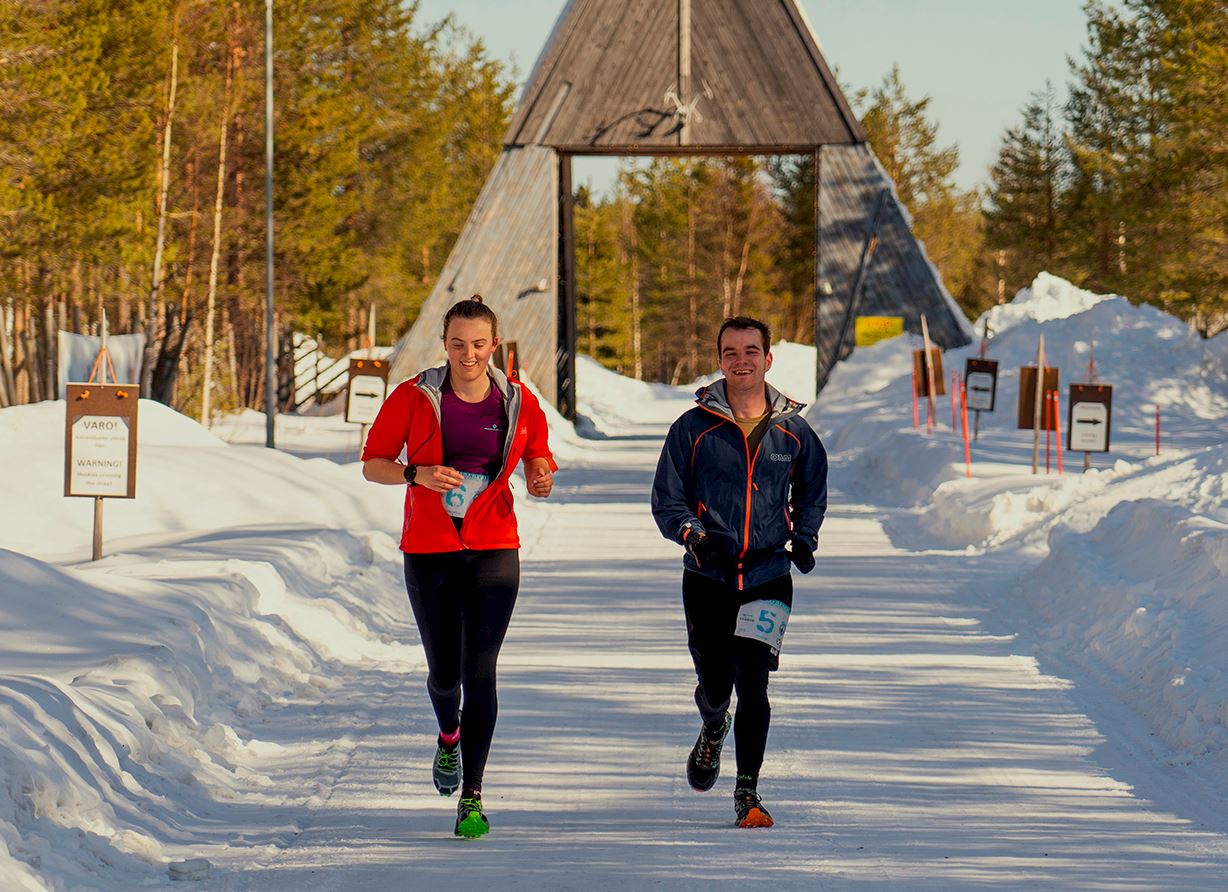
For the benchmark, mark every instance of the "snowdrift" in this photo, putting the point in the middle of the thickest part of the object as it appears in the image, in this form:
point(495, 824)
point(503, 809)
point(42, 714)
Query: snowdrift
point(1126, 563)
point(131, 689)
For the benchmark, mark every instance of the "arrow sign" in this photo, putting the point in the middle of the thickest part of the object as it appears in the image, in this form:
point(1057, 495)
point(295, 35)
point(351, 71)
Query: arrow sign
point(981, 376)
point(1090, 418)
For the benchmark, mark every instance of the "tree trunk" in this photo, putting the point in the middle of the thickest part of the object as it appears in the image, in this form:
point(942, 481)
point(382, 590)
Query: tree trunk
point(215, 256)
point(156, 322)
point(50, 376)
point(8, 393)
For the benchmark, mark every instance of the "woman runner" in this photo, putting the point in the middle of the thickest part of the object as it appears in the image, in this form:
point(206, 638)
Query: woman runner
point(463, 426)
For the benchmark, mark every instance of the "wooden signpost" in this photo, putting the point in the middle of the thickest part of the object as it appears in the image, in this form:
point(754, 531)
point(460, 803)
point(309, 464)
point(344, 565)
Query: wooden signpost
point(365, 393)
point(927, 374)
point(100, 438)
point(981, 383)
point(1089, 421)
point(1033, 389)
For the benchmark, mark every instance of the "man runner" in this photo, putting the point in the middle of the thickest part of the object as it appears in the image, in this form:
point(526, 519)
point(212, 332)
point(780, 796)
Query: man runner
point(741, 476)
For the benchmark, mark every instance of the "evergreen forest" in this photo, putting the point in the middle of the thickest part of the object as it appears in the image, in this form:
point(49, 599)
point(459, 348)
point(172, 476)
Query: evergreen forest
point(132, 180)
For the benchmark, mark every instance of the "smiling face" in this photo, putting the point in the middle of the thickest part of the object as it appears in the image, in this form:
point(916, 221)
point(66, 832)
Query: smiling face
point(744, 362)
point(470, 344)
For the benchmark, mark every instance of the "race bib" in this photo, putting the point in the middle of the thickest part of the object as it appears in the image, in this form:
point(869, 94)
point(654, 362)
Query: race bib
point(457, 501)
point(764, 621)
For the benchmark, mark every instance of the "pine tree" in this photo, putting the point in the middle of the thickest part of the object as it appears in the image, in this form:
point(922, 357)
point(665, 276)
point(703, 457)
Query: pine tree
point(1029, 181)
point(945, 219)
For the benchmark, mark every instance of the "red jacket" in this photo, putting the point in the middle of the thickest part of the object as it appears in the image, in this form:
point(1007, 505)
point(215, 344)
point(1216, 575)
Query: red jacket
point(409, 420)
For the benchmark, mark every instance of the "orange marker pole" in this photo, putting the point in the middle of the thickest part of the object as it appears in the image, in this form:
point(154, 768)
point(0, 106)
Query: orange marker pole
point(1048, 426)
point(1057, 428)
point(963, 402)
point(1157, 428)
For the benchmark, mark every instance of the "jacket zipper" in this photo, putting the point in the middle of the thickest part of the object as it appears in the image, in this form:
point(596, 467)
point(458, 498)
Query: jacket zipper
point(750, 471)
point(513, 420)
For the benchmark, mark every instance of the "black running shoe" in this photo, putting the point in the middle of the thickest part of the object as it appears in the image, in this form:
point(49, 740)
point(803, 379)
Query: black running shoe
point(470, 820)
point(703, 766)
point(446, 770)
point(749, 808)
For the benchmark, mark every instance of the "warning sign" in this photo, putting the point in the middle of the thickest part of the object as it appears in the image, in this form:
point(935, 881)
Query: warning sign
point(869, 330)
point(981, 380)
point(367, 390)
point(1090, 417)
point(100, 441)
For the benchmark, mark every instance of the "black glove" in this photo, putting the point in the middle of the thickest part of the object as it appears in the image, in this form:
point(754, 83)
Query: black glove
point(802, 554)
point(704, 549)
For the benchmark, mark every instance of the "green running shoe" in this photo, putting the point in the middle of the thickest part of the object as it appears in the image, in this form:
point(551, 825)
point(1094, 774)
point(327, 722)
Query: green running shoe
point(470, 821)
point(445, 771)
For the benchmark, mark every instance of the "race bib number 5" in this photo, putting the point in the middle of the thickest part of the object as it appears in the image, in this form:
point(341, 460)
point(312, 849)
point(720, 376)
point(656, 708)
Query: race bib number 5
point(457, 501)
point(764, 621)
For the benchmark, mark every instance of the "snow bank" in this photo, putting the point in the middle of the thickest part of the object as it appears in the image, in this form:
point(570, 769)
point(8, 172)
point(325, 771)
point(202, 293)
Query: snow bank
point(1145, 592)
point(1126, 563)
point(187, 480)
point(131, 689)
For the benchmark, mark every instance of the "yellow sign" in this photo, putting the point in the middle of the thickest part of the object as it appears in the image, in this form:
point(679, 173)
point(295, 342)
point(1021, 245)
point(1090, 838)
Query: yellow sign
point(872, 329)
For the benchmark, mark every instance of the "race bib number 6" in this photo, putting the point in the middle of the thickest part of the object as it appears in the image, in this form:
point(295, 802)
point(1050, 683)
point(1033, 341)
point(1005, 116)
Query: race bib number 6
point(764, 621)
point(457, 501)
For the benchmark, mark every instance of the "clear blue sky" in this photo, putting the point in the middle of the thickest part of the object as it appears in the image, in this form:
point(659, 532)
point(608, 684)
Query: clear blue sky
point(978, 60)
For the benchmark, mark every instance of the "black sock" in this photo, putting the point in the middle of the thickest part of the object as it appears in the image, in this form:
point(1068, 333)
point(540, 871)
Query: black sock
point(746, 782)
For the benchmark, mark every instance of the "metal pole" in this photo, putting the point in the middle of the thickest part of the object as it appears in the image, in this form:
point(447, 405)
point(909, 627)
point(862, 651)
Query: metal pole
point(270, 360)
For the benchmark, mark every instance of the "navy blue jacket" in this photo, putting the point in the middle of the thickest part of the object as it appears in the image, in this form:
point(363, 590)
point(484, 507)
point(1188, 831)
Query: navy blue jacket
point(751, 505)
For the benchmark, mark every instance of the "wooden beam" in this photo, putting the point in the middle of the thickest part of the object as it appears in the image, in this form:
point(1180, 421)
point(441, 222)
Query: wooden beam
point(565, 356)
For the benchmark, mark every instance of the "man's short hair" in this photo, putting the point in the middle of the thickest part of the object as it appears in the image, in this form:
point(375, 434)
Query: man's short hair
point(745, 323)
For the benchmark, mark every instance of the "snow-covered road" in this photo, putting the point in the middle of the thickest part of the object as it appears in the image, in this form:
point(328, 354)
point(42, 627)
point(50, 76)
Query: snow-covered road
point(910, 748)
point(996, 681)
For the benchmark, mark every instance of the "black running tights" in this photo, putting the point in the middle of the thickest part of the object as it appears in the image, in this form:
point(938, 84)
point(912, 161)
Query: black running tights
point(725, 662)
point(462, 601)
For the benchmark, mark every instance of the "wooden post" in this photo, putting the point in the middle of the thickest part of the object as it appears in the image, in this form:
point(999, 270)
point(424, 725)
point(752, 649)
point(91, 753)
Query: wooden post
point(963, 401)
point(929, 373)
point(684, 68)
point(916, 424)
point(1036, 411)
point(565, 357)
point(97, 553)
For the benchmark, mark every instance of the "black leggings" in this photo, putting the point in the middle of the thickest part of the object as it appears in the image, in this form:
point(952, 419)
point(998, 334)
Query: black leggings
point(462, 601)
point(724, 662)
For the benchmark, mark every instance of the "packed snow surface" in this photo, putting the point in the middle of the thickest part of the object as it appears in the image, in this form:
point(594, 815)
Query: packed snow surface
point(1006, 680)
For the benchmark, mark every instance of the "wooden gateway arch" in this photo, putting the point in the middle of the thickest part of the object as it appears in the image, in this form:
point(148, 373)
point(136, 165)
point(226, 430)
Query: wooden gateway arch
point(680, 77)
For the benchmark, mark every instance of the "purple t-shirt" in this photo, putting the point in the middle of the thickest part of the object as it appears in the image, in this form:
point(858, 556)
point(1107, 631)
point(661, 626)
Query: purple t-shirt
point(473, 433)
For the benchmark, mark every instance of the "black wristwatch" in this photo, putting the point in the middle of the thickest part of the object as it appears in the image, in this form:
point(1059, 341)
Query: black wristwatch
point(411, 471)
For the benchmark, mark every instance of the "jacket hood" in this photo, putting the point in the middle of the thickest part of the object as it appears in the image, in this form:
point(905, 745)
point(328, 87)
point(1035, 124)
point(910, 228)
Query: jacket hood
point(430, 382)
point(713, 397)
